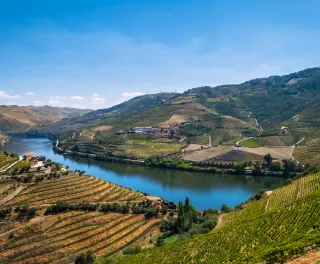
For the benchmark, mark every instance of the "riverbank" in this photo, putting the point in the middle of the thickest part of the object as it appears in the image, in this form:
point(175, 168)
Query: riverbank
point(205, 189)
point(183, 165)
point(231, 168)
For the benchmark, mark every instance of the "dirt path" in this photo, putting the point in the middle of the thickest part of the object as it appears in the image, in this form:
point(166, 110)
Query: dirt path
point(268, 193)
point(219, 224)
point(312, 257)
point(257, 125)
point(237, 143)
point(210, 142)
point(12, 195)
point(298, 142)
point(20, 158)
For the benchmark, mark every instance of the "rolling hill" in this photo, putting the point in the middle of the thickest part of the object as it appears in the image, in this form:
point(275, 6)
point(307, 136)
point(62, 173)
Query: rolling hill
point(203, 117)
point(18, 119)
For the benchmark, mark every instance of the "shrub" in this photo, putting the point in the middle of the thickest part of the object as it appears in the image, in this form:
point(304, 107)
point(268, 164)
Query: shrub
point(133, 250)
point(86, 258)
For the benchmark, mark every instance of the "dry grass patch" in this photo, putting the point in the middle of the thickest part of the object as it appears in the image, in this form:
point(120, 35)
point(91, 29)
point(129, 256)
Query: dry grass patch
point(275, 152)
point(208, 153)
point(102, 128)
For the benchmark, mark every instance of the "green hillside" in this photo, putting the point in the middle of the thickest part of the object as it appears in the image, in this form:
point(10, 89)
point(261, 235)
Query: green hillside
point(271, 229)
point(203, 117)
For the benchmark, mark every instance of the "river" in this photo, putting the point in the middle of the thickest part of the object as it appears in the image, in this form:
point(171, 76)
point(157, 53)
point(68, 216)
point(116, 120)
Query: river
point(205, 190)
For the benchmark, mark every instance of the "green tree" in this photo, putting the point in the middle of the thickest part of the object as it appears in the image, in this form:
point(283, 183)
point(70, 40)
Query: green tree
point(268, 158)
point(86, 258)
point(275, 167)
point(289, 166)
point(180, 220)
point(226, 209)
point(257, 169)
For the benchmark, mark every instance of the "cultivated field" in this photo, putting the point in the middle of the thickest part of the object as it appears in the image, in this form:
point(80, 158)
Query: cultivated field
point(258, 233)
point(275, 152)
point(142, 148)
point(308, 154)
point(6, 160)
point(192, 147)
point(60, 238)
point(250, 143)
point(73, 189)
point(237, 156)
point(208, 153)
point(277, 140)
point(176, 119)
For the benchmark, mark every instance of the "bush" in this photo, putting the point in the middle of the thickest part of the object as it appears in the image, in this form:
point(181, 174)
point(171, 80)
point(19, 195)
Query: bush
point(226, 209)
point(133, 250)
point(86, 258)
point(25, 212)
point(5, 212)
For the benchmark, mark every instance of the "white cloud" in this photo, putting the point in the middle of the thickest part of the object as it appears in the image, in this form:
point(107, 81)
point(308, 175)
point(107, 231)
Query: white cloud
point(29, 93)
point(76, 97)
point(95, 99)
point(95, 95)
point(53, 102)
point(4, 95)
point(38, 102)
point(131, 94)
point(58, 97)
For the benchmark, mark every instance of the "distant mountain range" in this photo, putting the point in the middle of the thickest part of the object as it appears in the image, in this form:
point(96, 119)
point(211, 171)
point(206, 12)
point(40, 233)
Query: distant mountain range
point(17, 119)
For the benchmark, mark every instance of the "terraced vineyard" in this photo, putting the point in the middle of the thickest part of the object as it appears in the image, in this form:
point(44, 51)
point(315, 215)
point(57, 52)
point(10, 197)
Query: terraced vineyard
point(6, 160)
point(60, 238)
point(281, 197)
point(285, 140)
point(73, 189)
point(308, 154)
point(274, 232)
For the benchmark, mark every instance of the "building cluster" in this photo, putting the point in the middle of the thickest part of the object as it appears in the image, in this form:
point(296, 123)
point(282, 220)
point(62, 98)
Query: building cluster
point(33, 156)
point(140, 130)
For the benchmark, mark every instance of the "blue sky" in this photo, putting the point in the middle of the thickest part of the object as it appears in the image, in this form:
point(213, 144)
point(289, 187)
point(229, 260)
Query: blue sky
point(97, 53)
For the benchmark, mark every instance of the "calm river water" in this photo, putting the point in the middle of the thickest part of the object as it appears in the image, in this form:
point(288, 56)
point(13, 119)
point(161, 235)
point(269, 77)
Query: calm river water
point(204, 189)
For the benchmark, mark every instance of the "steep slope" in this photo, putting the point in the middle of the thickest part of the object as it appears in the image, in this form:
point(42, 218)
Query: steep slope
point(272, 229)
point(270, 100)
point(16, 119)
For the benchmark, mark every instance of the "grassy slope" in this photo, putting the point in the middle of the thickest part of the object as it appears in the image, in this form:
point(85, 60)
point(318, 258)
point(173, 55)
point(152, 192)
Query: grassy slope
point(251, 143)
point(271, 229)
